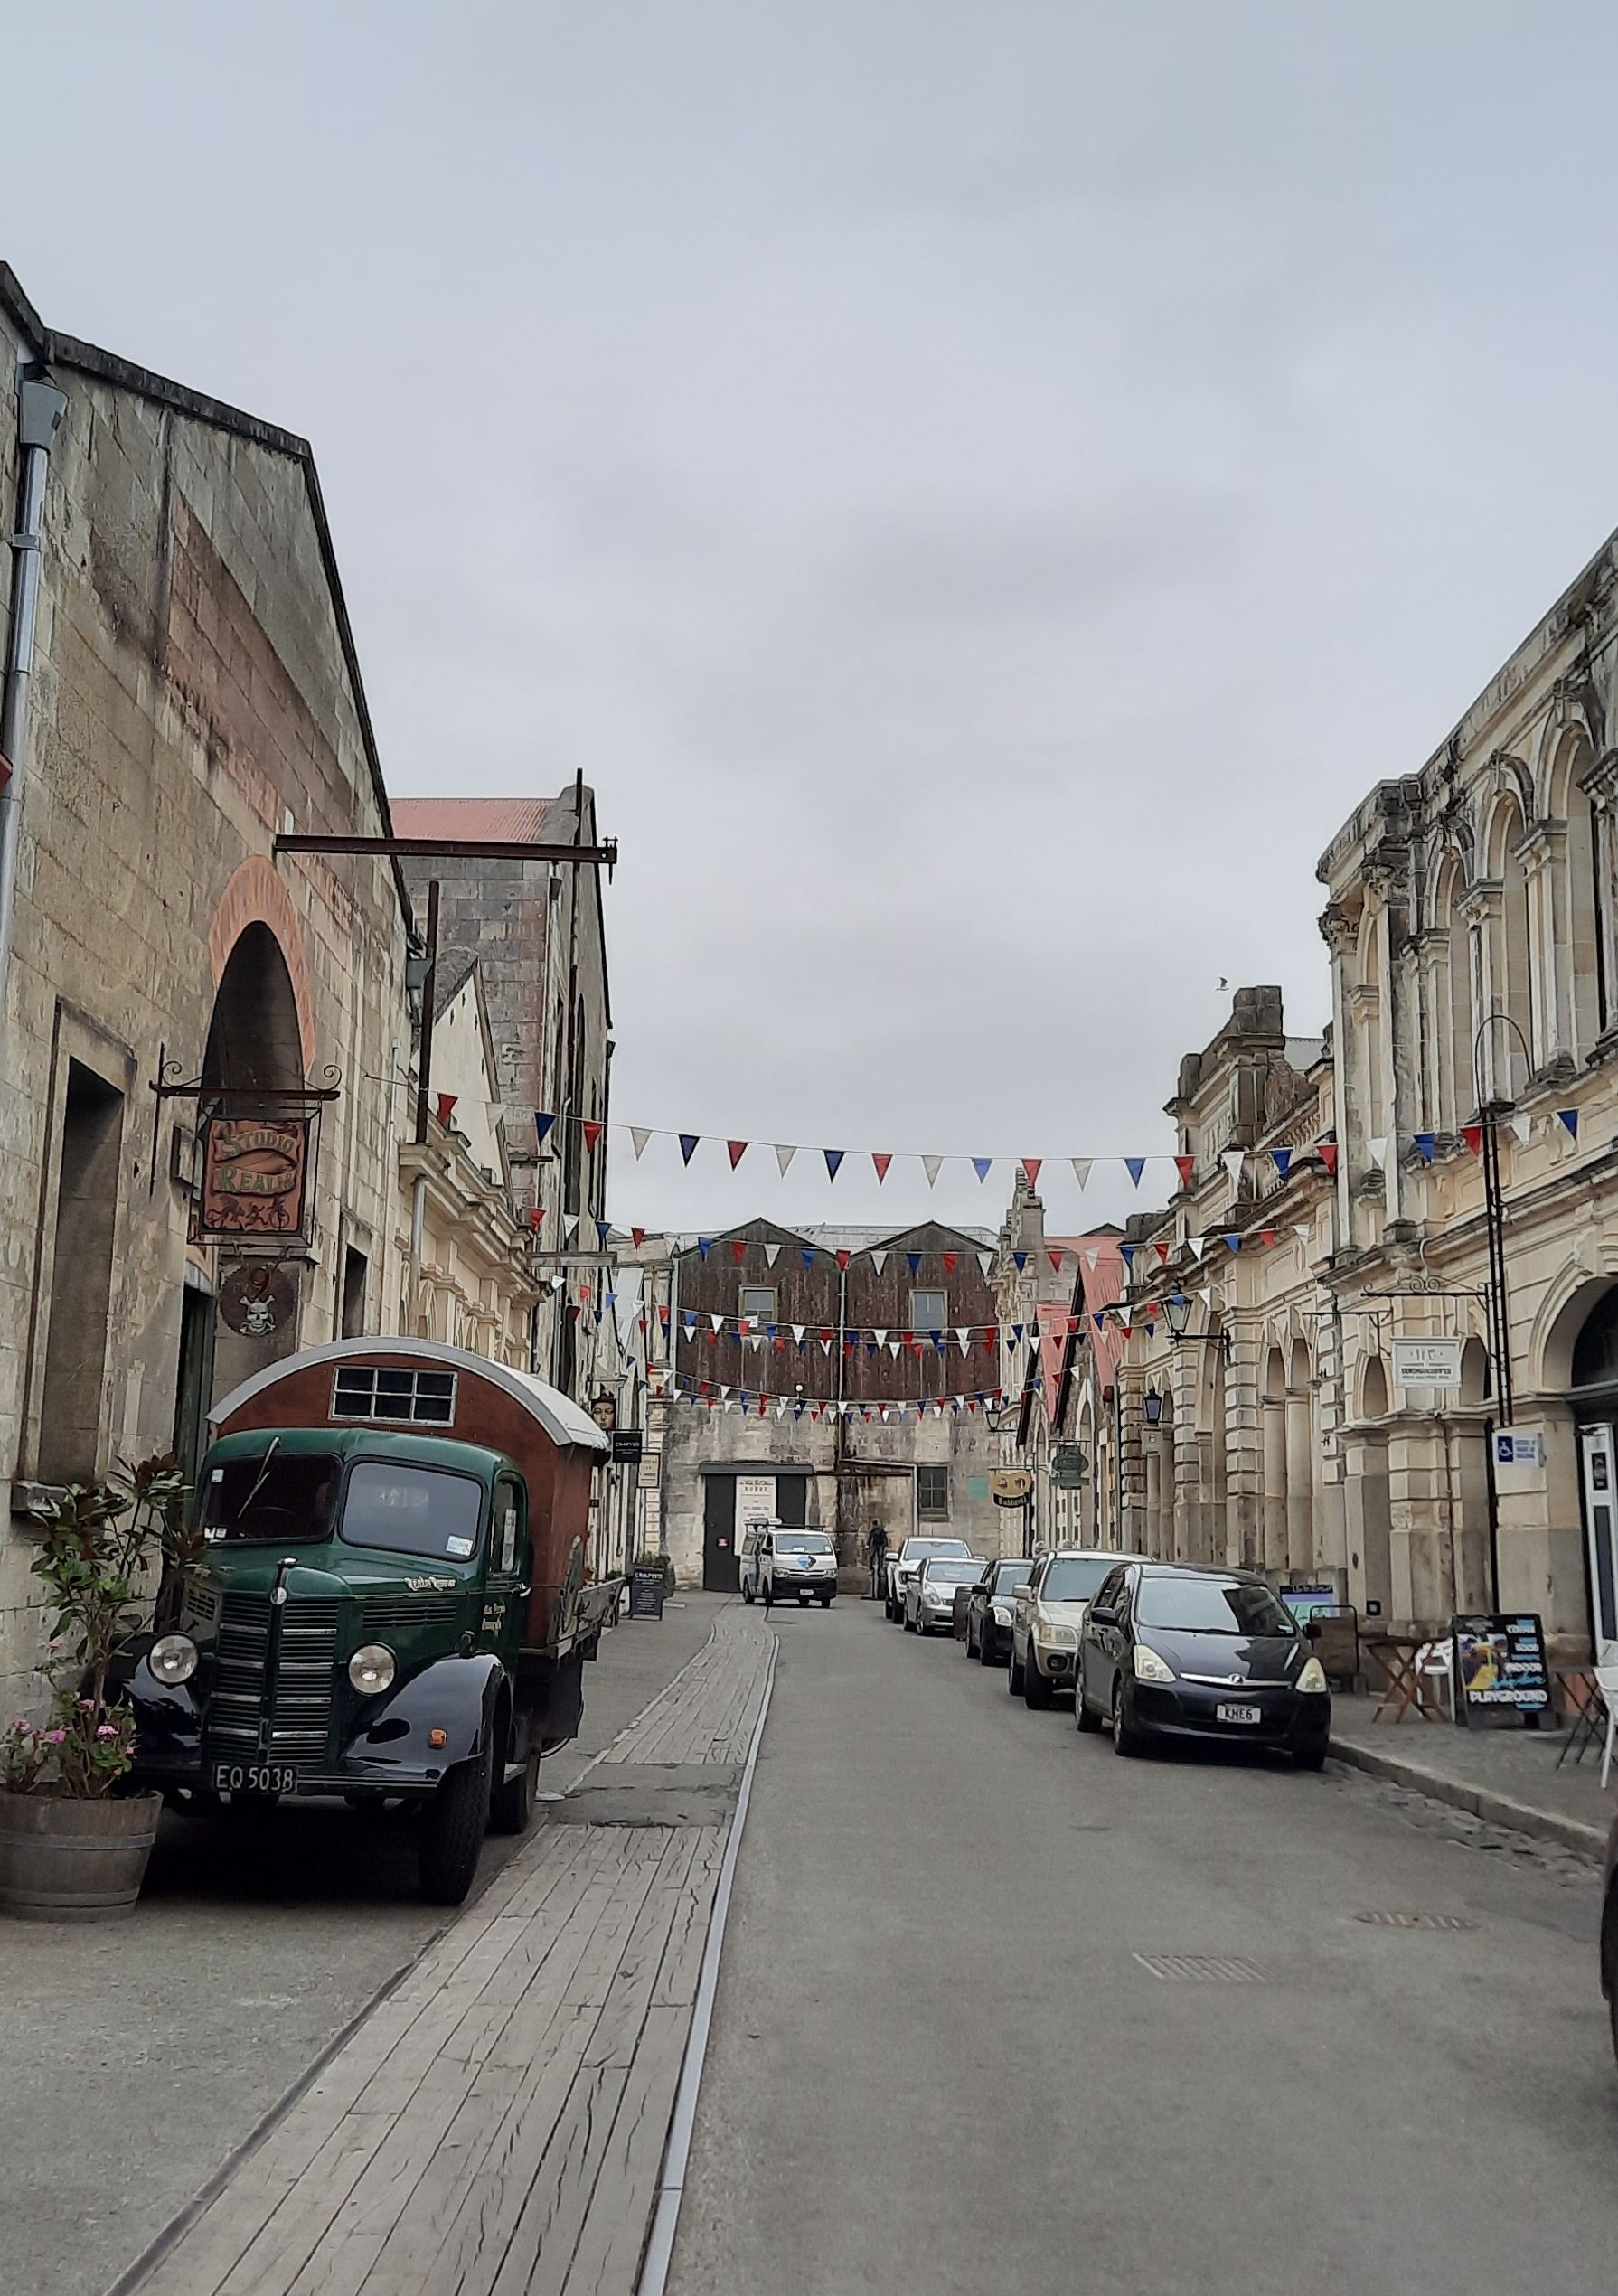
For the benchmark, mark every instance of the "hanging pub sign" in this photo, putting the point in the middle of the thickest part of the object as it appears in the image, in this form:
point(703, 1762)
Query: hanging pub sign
point(1426, 1363)
point(1500, 1665)
point(258, 1298)
point(255, 1178)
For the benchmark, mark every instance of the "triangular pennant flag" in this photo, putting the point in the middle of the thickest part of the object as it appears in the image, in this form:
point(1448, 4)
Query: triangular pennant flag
point(1016, 1335)
point(982, 1165)
point(1019, 1261)
point(783, 1157)
point(1091, 1259)
point(1473, 1136)
point(704, 1244)
point(592, 1129)
point(1235, 1242)
point(1282, 1160)
point(952, 1260)
point(798, 1330)
point(739, 1249)
point(1185, 1166)
point(985, 1261)
point(1126, 1253)
point(1522, 1126)
point(878, 1260)
point(881, 1160)
point(541, 1124)
point(1030, 1165)
point(1326, 1150)
point(1377, 1150)
point(1198, 1244)
point(1081, 1168)
point(963, 1337)
point(637, 1237)
point(447, 1101)
point(808, 1258)
point(688, 1316)
point(1134, 1166)
point(844, 1258)
point(1205, 1296)
point(880, 1338)
point(1268, 1238)
point(536, 1217)
point(570, 1227)
point(1233, 1159)
point(639, 1135)
point(893, 1348)
point(1055, 1258)
point(717, 1322)
point(834, 1157)
point(687, 1145)
point(772, 1252)
point(1162, 1252)
point(736, 1150)
point(1426, 1144)
point(1569, 1116)
point(930, 1165)
point(913, 1262)
point(1101, 1319)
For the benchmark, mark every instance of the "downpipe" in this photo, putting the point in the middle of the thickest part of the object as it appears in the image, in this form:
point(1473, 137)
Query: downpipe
point(40, 407)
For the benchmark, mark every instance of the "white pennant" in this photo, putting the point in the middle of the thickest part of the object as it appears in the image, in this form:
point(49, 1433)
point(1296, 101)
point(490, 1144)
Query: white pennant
point(1091, 1259)
point(571, 1226)
point(878, 1260)
point(825, 1347)
point(964, 1336)
point(930, 1165)
point(1378, 1152)
point(640, 1139)
point(893, 1348)
point(985, 1261)
point(783, 1157)
point(772, 1252)
point(798, 1330)
point(1303, 1235)
point(1198, 1244)
point(1233, 1159)
point(781, 1408)
point(1205, 1296)
point(880, 1338)
point(1522, 1126)
point(717, 1322)
point(724, 1392)
point(1081, 1168)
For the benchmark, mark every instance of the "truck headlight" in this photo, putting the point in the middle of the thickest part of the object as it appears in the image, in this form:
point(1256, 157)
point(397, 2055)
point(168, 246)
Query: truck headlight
point(1149, 1667)
point(372, 1668)
point(1314, 1677)
point(172, 1659)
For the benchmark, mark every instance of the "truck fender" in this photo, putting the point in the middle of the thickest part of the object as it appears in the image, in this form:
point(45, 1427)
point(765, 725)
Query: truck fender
point(456, 1695)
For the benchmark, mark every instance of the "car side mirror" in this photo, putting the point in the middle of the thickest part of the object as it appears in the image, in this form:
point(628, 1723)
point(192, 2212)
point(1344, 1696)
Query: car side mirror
point(1104, 1614)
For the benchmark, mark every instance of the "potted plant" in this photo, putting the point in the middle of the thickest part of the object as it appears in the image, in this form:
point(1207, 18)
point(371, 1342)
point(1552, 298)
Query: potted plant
point(72, 1847)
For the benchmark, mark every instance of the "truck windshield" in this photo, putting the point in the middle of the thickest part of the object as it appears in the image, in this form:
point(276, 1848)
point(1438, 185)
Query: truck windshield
point(274, 1496)
point(412, 1511)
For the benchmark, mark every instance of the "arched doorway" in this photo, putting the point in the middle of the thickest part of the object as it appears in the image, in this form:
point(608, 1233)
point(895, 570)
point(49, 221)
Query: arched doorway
point(1300, 1461)
point(1274, 1410)
point(1475, 1573)
point(1370, 1515)
point(1594, 1397)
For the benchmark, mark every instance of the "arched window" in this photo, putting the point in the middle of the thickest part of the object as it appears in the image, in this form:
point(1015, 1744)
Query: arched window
point(1510, 1050)
point(1582, 1005)
point(1373, 1390)
point(1453, 1022)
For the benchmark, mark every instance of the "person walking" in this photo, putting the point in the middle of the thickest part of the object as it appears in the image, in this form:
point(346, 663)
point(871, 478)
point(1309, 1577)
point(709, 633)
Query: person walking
point(876, 1548)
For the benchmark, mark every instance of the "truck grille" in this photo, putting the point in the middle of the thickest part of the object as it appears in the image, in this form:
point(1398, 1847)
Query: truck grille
point(401, 1613)
point(297, 1702)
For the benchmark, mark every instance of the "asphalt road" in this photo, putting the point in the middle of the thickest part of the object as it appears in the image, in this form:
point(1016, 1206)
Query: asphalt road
point(937, 2064)
point(135, 2055)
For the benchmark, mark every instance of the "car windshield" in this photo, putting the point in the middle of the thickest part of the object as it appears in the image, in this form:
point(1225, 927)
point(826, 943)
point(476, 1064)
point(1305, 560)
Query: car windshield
point(271, 1494)
point(802, 1542)
point(1008, 1576)
point(950, 1574)
point(412, 1511)
point(1074, 1578)
point(1211, 1606)
point(918, 1549)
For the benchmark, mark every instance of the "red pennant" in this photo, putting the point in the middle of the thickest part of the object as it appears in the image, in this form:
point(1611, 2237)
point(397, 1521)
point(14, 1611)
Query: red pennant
point(1473, 1136)
point(592, 1129)
point(447, 1101)
point(1326, 1150)
point(1030, 1165)
point(737, 1149)
point(738, 1249)
point(639, 1237)
point(1267, 1238)
point(643, 1325)
point(1072, 1325)
point(1162, 1252)
point(1056, 1260)
point(952, 1260)
point(536, 1219)
point(584, 1293)
point(713, 1337)
point(663, 1317)
point(844, 1258)
point(881, 1162)
point(1185, 1166)
point(826, 1333)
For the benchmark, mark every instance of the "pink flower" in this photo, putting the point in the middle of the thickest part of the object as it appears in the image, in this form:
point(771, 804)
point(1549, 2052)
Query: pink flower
point(55, 1737)
point(106, 1731)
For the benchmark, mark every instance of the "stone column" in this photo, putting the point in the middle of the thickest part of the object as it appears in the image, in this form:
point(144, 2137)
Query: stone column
point(1600, 780)
point(1244, 1454)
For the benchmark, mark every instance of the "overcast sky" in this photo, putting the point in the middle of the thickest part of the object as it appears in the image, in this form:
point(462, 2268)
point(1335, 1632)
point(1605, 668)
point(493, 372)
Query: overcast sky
point(982, 487)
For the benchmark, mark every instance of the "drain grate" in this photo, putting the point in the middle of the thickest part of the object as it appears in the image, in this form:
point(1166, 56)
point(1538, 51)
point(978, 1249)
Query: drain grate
point(1418, 1921)
point(1202, 1969)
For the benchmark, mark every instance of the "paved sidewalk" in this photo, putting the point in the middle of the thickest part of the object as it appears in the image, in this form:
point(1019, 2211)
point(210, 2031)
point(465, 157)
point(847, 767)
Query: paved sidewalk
point(496, 2127)
point(137, 2055)
point(1505, 1775)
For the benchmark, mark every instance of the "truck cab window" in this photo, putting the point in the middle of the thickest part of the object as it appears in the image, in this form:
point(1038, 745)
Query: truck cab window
point(281, 1495)
point(412, 1511)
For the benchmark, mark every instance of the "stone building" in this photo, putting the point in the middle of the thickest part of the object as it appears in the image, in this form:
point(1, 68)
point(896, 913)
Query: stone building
point(181, 688)
point(831, 1377)
point(1472, 923)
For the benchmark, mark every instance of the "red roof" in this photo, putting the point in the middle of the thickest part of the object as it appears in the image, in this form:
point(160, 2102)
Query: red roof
point(516, 821)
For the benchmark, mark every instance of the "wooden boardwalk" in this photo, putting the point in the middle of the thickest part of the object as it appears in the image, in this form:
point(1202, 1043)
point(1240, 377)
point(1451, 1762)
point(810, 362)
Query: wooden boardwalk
point(495, 2126)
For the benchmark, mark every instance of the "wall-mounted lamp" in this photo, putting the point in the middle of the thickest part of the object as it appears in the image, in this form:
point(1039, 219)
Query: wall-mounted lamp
point(1154, 1408)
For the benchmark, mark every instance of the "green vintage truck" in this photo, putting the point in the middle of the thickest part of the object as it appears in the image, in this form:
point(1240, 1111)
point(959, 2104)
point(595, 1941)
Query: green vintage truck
point(391, 1599)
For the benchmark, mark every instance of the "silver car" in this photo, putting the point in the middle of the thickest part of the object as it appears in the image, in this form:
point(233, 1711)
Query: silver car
point(929, 1598)
point(903, 1567)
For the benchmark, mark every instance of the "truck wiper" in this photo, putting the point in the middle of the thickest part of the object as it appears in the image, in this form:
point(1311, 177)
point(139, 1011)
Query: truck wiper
point(258, 1482)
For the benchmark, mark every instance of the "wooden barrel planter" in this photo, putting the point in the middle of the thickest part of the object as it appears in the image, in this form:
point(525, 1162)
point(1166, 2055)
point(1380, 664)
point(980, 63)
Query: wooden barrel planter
point(62, 1860)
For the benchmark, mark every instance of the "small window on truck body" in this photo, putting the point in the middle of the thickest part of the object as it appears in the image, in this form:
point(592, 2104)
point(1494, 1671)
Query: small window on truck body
point(394, 1398)
point(412, 1511)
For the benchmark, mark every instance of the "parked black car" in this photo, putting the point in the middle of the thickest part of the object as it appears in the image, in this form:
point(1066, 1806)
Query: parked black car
point(1609, 1935)
point(1170, 1651)
point(989, 1609)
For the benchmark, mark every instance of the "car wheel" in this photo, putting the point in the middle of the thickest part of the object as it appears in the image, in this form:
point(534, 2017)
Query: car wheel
point(825, 1602)
point(1126, 1739)
point(803, 1601)
point(987, 1654)
point(1310, 1757)
point(1085, 1717)
point(1014, 1674)
point(747, 1592)
point(1036, 1689)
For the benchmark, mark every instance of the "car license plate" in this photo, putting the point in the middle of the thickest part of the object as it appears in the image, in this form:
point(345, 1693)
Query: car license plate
point(1239, 1713)
point(253, 1777)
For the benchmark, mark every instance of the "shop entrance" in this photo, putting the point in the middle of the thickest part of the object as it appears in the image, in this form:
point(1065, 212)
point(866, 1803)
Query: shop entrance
point(1596, 1402)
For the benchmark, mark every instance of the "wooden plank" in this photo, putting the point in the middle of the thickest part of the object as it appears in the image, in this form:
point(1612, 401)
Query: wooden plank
point(613, 2239)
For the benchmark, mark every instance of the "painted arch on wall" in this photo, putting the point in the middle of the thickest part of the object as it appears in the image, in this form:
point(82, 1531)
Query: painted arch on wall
point(257, 896)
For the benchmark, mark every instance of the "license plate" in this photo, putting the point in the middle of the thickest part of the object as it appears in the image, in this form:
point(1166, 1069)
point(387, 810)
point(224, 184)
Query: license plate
point(1239, 1713)
point(253, 1777)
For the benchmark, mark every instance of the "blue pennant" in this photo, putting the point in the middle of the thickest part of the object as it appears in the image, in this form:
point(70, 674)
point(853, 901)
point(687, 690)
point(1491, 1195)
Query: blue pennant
point(981, 1165)
point(913, 1262)
point(1283, 1160)
point(1427, 1143)
point(1569, 1116)
point(543, 1124)
point(1134, 1166)
point(808, 1259)
point(1234, 1242)
point(1126, 1251)
point(604, 1229)
point(705, 1245)
point(687, 1145)
point(1020, 1260)
point(834, 1157)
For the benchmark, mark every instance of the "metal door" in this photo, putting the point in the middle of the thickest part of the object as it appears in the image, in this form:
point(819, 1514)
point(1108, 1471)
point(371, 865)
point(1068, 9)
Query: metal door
point(719, 1573)
point(792, 1501)
point(1596, 1462)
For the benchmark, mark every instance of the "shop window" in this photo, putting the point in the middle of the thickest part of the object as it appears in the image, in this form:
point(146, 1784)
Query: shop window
point(932, 1494)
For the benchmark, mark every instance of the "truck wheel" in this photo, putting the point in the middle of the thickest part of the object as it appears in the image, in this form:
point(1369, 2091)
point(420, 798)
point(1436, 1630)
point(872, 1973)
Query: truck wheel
point(511, 1804)
point(825, 1602)
point(452, 1840)
point(746, 1594)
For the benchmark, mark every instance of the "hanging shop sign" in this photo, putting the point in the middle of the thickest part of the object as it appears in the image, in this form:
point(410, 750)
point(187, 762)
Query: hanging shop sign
point(258, 1298)
point(1011, 1486)
point(1501, 1665)
point(604, 1411)
point(625, 1447)
point(1069, 1468)
point(255, 1178)
point(1426, 1363)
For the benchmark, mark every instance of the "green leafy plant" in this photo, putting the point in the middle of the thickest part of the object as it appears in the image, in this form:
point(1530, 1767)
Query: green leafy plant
point(101, 1546)
point(657, 1562)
